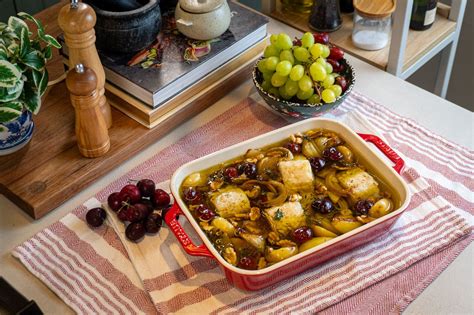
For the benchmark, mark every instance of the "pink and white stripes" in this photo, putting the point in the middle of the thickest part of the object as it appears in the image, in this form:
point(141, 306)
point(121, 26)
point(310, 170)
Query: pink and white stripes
point(96, 271)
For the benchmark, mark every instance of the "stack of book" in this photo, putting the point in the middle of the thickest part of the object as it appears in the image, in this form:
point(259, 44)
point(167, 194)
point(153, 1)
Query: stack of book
point(175, 71)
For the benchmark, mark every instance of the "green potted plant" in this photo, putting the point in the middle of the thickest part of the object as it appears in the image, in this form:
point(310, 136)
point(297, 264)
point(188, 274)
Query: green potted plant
point(23, 78)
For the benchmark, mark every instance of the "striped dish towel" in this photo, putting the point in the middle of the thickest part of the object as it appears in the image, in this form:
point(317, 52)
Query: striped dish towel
point(97, 271)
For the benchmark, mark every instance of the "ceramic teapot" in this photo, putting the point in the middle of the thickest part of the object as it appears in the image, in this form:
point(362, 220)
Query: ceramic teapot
point(202, 19)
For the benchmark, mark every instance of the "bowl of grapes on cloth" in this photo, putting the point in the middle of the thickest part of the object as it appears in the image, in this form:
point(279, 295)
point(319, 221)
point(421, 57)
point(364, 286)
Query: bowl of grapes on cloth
point(302, 78)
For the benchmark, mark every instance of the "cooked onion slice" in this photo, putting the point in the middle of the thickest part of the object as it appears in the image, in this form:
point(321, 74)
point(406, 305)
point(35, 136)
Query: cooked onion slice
point(280, 152)
point(278, 191)
point(314, 242)
point(381, 208)
point(276, 255)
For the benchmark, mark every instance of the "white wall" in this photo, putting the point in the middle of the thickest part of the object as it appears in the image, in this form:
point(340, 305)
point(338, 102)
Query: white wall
point(461, 86)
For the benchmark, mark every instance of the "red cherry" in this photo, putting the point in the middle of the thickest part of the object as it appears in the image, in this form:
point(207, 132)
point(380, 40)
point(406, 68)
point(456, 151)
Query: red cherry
point(363, 206)
point(201, 209)
point(341, 81)
point(122, 215)
point(323, 205)
point(149, 204)
point(95, 217)
point(114, 201)
point(332, 154)
point(161, 198)
point(294, 147)
point(250, 170)
point(336, 53)
point(204, 213)
point(146, 187)
point(144, 209)
point(158, 218)
point(153, 223)
point(231, 173)
point(135, 231)
point(317, 163)
point(208, 216)
point(130, 193)
point(322, 38)
point(336, 65)
point(137, 212)
point(249, 263)
point(192, 196)
point(302, 234)
point(297, 42)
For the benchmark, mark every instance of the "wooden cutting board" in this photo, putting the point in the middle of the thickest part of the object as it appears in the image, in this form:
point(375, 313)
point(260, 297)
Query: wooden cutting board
point(50, 169)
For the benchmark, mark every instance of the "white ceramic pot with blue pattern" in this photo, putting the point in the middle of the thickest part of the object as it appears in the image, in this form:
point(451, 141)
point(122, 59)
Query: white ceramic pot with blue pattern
point(16, 134)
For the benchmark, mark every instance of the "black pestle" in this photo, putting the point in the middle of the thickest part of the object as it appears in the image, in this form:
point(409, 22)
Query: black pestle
point(115, 5)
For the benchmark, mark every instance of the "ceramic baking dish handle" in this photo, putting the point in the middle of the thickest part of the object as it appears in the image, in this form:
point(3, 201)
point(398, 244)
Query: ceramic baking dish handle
point(385, 149)
point(183, 238)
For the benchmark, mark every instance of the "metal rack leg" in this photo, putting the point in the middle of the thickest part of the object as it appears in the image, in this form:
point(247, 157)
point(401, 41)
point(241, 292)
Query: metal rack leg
point(444, 70)
point(398, 44)
point(447, 56)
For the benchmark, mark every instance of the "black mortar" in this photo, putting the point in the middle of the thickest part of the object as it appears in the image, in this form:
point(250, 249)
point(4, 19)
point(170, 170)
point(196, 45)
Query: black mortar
point(126, 31)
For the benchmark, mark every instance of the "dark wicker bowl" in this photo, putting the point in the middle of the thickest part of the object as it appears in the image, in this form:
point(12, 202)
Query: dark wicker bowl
point(292, 108)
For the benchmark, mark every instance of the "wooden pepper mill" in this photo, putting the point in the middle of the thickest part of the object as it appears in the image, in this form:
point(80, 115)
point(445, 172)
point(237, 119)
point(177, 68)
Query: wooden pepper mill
point(77, 20)
point(91, 130)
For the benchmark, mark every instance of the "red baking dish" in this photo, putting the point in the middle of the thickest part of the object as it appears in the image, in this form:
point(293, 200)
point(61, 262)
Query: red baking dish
point(258, 279)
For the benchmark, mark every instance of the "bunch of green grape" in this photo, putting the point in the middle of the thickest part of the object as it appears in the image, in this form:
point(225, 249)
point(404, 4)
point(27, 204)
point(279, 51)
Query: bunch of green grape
point(299, 70)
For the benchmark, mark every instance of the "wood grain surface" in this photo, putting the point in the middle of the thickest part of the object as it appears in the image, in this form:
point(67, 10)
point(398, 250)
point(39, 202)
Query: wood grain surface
point(375, 8)
point(50, 169)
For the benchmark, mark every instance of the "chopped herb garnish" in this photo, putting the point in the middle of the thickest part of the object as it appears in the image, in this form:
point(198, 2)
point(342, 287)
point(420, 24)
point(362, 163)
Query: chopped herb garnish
point(278, 215)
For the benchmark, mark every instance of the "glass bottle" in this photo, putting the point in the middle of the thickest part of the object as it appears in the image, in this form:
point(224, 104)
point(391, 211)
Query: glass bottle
point(347, 6)
point(325, 16)
point(423, 14)
point(303, 6)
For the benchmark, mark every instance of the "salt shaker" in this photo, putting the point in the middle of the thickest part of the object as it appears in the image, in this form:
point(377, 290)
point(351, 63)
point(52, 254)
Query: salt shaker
point(91, 129)
point(77, 20)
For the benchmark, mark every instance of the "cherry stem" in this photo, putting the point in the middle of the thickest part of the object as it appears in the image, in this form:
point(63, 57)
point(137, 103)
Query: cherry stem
point(125, 204)
point(121, 208)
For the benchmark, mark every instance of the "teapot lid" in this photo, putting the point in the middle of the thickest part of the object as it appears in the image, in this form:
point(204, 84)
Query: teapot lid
point(200, 6)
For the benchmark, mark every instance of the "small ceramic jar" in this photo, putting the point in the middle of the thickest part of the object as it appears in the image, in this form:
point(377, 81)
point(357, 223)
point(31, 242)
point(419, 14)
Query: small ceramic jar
point(202, 19)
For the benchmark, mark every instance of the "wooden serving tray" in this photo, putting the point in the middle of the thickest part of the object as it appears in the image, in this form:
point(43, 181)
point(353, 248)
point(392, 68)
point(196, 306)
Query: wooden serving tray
point(50, 169)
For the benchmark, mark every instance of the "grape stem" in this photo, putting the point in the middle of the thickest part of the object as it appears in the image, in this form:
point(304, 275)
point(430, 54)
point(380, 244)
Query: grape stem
point(318, 89)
